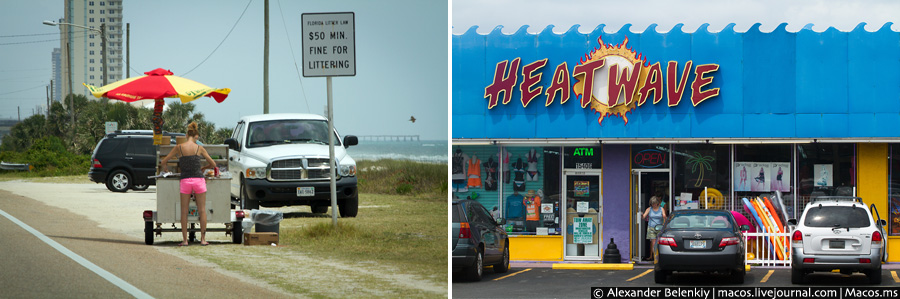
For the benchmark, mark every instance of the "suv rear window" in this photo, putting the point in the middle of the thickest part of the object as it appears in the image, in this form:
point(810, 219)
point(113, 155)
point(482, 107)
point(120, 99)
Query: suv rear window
point(836, 216)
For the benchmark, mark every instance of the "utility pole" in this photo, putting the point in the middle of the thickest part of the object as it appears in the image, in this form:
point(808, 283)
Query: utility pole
point(48, 99)
point(103, 44)
point(127, 50)
point(71, 97)
point(266, 60)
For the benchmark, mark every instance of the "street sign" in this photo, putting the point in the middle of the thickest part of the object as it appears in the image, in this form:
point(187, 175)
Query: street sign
point(111, 126)
point(329, 44)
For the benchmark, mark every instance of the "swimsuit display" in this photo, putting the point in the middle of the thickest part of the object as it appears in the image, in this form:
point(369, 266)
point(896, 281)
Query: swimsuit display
point(503, 156)
point(518, 171)
point(532, 158)
point(490, 174)
point(459, 171)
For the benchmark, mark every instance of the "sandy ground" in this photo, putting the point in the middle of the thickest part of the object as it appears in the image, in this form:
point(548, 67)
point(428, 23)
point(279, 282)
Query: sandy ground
point(273, 266)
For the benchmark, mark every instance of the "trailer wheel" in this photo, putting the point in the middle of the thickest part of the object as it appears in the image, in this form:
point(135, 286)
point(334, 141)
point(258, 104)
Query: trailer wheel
point(192, 235)
point(148, 232)
point(237, 232)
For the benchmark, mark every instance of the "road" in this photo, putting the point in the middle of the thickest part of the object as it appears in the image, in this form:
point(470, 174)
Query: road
point(543, 282)
point(116, 263)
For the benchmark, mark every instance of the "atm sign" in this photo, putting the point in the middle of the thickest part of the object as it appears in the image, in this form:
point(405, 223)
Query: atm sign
point(584, 152)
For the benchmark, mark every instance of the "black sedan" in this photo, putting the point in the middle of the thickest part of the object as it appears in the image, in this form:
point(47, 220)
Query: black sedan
point(701, 240)
point(478, 240)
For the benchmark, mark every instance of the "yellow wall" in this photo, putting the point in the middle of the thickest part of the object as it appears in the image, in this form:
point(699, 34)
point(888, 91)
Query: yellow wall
point(536, 248)
point(872, 185)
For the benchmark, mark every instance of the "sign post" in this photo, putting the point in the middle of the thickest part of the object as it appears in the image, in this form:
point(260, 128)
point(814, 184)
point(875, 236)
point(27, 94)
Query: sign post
point(329, 49)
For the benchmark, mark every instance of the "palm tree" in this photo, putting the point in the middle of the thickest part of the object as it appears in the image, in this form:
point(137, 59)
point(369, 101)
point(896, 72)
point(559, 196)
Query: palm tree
point(702, 162)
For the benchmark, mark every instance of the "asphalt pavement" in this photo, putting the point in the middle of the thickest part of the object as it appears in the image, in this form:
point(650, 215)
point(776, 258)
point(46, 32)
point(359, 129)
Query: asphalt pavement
point(30, 267)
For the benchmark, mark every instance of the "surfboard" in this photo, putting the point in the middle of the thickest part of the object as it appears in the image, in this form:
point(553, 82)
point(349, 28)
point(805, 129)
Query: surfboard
point(782, 225)
point(778, 203)
point(765, 221)
point(775, 224)
point(749, 205)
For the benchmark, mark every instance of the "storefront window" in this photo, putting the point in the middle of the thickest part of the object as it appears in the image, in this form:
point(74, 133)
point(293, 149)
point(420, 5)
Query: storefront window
point(699, 166)
point(530, 189)
point(474, 175)
point(761, 169)
point(894, 191)
point(825, 169)
point(519, 184)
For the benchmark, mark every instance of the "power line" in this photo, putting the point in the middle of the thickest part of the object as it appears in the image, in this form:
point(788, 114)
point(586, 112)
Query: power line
point(290, 44)
point(30, 88)
point(30, 42)
point(37, 34)
point(223, 40)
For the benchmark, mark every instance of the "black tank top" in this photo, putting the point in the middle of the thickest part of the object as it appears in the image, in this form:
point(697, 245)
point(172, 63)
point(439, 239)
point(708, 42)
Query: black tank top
point(190, 165)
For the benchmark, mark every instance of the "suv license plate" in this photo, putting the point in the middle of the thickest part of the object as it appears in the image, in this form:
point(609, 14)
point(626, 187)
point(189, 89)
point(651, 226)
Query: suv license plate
point(836, 244)
point(306, 191)
point(698, 244)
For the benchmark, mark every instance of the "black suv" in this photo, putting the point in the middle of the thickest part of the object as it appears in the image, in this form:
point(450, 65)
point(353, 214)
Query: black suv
point(124, 159)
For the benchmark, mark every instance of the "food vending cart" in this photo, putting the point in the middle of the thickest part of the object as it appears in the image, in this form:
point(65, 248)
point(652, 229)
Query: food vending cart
point(167, 216)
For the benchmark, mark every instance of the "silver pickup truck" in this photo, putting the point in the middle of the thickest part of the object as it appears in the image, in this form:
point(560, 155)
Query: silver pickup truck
point(282, 160)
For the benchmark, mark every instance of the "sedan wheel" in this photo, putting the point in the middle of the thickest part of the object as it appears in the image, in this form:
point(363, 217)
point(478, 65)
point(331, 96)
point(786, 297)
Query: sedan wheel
point(660, 276)
point(475, 272)
point(503, 266)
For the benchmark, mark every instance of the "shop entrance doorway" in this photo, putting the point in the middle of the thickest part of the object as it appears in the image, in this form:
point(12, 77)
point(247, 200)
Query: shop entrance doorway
point(583, 214)
point(646, 183)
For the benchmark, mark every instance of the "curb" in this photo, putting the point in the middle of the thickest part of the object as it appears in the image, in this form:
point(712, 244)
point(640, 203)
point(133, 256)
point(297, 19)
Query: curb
point(593, 266)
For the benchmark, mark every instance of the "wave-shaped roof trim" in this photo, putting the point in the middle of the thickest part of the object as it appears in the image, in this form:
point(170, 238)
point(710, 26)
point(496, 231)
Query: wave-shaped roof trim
point(679, 28)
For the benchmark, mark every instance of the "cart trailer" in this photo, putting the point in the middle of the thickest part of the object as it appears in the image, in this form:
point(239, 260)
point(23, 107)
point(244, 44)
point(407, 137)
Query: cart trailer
point(167, 216)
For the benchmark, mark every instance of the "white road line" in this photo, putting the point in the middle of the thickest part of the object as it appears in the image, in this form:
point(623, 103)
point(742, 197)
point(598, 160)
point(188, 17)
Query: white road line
point(124, 285)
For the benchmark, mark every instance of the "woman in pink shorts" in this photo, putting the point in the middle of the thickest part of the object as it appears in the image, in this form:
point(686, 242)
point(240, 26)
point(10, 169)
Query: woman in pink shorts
point(190, 155)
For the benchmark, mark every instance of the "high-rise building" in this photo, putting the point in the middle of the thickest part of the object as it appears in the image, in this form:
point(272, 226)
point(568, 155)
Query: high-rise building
point(85, 47)
point(56, 57)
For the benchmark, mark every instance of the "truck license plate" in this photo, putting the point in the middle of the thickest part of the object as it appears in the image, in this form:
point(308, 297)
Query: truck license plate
point(698, 244)
point(306, 191)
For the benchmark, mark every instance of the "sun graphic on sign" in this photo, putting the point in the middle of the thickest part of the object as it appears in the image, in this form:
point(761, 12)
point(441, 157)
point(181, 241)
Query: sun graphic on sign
point(625, 59)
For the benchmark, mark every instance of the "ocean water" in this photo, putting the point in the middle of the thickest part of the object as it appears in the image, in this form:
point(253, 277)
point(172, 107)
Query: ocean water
point(428, 151)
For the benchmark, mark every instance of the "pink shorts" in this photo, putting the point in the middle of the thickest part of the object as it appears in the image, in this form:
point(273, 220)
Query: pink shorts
point(193, 185)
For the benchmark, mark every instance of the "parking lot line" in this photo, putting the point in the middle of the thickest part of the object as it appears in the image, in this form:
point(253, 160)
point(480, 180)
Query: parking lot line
point(894, 274)
point(499, 278)
point(639, 275)
point(766, 278)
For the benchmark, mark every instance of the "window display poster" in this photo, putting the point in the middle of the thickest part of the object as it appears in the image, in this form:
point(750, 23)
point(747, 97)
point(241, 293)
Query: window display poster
point(583, 230)
point(582, 207)
point(582, 188)
point(823, 175)
point(546, 208)
point(760, 176)
point(742, 176)
point(781, 176)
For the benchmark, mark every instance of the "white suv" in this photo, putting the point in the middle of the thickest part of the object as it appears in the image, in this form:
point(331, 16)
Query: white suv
point(837, 232)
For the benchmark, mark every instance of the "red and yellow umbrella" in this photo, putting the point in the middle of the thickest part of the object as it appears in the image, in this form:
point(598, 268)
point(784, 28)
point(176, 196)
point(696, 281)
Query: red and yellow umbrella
point(158, 84)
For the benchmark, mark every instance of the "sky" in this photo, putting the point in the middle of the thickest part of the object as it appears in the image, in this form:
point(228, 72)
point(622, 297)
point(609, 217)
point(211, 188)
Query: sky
point(401, 57)
point(512, 14)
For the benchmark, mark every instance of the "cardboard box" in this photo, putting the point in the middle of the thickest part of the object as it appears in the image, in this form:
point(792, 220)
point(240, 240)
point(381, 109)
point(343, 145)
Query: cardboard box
point(260, 238)
point(166, 140)
point(180, 139)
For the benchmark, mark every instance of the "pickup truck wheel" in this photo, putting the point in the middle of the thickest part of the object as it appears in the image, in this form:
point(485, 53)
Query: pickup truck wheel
point(118, 181)
point(319, 209)
point(246, 202)
point(349, 206)
point(148, 232)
